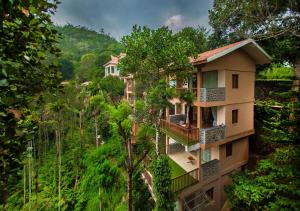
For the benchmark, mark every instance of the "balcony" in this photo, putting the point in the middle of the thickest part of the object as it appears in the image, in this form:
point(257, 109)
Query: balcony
point(212, 94)
point(180, 179)
point(175, 129)
point(212, 134)
point(179, 90)
point(210, 169)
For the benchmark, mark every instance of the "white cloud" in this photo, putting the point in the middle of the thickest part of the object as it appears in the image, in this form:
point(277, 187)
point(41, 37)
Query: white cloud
point(175, 22)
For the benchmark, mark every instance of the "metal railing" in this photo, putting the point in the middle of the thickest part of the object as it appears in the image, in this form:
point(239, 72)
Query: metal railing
point(185, 180)
point(186, 135)
point(212, 94)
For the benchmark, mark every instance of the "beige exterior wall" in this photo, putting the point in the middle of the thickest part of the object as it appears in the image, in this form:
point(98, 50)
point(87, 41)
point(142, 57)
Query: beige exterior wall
point(245, 118)
point(245, 92)
point(237, 60)
point(239, 155)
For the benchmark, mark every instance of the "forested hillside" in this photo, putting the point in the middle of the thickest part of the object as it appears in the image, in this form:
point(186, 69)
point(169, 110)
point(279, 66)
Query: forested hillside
point(84, 51)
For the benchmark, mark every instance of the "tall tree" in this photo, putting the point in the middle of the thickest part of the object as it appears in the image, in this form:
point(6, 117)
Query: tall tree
point(198, 36)
point(26, 37)
point(122, 122)
point(276, 24)
point(151, 57)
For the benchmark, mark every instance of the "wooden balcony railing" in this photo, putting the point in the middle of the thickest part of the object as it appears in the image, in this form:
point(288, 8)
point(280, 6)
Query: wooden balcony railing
point(185, 135)
point(179, 90)
point(185, 180)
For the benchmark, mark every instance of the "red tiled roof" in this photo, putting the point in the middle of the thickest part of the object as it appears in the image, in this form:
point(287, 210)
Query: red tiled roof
point(115, 59)
point(202, 57)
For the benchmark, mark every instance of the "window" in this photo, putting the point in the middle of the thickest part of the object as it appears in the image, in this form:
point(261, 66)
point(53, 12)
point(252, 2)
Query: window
point(112, 69)
point(235, 116)
point(206, 155)
point(228, 149)
point(210, 193)
point(172, 83)
point(235, 81)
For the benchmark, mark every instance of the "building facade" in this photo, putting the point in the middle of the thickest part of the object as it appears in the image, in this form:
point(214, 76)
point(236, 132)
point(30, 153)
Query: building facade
point(111, 68)
point(214, 142)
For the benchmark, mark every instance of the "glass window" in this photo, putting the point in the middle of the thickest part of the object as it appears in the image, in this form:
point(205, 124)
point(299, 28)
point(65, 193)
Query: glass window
point(228, 149)
point(206, 155)
point(210, 193)
point(235, 116)
point(235, 81)
point(112, 69)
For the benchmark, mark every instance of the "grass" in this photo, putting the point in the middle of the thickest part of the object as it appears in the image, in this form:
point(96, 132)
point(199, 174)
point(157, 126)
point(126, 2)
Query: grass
point(176, 170)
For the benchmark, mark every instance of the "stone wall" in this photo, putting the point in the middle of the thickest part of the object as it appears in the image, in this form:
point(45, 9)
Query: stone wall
point(210, 168)
point(212, 134)
point(212, 94)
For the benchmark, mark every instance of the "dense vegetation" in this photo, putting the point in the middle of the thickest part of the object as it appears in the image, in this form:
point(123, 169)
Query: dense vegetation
point(68, 146)
point(274, 183)
point(84, 51)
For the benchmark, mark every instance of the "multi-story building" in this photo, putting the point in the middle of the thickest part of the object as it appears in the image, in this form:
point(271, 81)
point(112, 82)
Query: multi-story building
point(214, 143)
point(111, 68)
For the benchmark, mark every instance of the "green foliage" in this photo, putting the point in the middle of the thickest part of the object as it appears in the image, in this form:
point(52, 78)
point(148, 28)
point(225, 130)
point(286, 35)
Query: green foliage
point(148, 52)
point(113, 86)
point(278, 124)
point(273, 185)
point(198, 36)
point(277, 71)
point(66, 68)
point(28, 67)
point(87, 69)
point(161, 172)
point(273, 23)
point(77, 42)
point(141, 197)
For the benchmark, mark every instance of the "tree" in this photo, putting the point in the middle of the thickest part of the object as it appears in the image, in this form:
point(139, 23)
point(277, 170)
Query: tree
point(66, 68)
point(113, 86)
point(87, 67)
point(162, 183)
point(122, 122)
point(188, 97)
point(151, 57)
point(27, 36)
point(198, 36)
point(273, 185)
point(274, 23)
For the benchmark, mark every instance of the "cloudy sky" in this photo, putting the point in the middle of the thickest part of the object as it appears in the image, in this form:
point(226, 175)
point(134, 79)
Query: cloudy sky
point(118, 16)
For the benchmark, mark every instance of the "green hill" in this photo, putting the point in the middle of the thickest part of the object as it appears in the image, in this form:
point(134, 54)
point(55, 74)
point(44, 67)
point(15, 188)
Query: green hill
point(84, 51)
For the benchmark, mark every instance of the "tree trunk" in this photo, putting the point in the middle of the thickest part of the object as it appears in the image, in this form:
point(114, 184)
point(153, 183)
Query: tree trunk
point(129, 189)
point(129, 172)
point(81, 128)
point(96, 132)
point(297, 68)
point(4, 193)
point(157, 138)
point(187, 115)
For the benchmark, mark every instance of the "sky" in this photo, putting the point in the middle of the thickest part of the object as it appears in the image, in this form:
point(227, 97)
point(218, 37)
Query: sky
point(117, 17)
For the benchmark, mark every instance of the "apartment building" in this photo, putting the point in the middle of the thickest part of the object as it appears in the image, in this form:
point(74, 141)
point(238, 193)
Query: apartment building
point(111, 68)
point(215, 142)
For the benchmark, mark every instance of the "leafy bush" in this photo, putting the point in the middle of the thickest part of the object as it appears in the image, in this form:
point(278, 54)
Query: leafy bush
point(277, 71)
